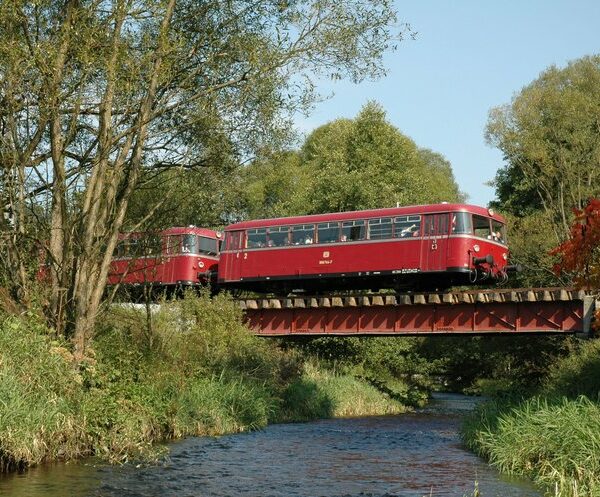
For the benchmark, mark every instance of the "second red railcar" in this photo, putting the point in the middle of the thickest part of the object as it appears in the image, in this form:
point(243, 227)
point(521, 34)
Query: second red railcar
point(168, 260)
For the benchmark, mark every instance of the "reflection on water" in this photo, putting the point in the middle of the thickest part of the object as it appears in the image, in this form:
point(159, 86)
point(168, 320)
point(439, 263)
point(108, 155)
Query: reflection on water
point(409, 455)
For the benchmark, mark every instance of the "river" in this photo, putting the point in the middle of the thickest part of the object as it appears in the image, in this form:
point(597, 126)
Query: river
point(416, 455)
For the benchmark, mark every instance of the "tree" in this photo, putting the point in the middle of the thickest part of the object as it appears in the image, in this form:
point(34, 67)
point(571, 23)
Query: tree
point(580, 254)
point(549, 137)
point(92, 93)
point(349, 164)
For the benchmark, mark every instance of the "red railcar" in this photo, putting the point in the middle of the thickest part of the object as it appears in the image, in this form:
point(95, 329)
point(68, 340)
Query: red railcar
point(170, 260)
point(426, 246)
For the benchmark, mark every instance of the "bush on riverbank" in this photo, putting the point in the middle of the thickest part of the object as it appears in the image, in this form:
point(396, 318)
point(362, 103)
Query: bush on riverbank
point(552, 437)
point(190, 368)
point(39, 394)
point(323, 393)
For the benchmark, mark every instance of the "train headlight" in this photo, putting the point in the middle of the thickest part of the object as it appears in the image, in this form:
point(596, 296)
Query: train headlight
point(505, 256)
point(476, 248)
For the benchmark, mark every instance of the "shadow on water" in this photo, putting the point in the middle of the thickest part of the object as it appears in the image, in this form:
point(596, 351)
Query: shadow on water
point(418, 454)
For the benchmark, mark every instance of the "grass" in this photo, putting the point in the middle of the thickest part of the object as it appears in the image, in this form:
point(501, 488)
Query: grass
point(196, 370)
point(323, 393)
point(552, 437)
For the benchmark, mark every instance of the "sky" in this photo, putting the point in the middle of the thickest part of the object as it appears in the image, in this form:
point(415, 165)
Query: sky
point(468, 56)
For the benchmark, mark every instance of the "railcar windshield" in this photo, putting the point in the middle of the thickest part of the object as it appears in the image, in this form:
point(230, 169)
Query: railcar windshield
point(461, 223)
point(208, 246)
point(481, 227)
point(188, 244)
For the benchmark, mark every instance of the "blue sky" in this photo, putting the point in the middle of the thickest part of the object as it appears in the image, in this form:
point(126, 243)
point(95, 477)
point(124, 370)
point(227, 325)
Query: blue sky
point(469, 56)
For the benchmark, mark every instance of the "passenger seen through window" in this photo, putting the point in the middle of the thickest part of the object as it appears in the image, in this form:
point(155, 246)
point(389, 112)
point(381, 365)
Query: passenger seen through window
point(353, 230)
point(303, 234)
point(407, 226)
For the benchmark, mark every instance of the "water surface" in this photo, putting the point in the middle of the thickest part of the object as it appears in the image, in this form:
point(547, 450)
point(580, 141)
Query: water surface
point(418, 454)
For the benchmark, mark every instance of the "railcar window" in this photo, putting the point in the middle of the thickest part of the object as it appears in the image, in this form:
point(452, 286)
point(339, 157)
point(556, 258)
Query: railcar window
point(279, 236)
point(461, 223)
point(256, 238)
point(481, 227)
point(498, 231)
point(328, 232)
point(120, 249)
point(134, 248)
point(303, 234)
point(353, 230)
point(380, 229)
point(208, 246)
point(151, 245)
point(442, 224)
point(174, 244)
point(407, 226)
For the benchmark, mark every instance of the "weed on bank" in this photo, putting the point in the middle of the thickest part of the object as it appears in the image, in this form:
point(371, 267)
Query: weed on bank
point(552, 437)
point(188, 368)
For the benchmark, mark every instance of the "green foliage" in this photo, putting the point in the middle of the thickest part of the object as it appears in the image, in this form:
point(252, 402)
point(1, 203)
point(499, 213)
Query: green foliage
point(347, 164)
point(201, 197)
point(393, 366)
point(577, 374)
point(548, 135)
point(324, 393)
point(96, 95)
point(553, 436)
point(515, 364)
point(555, 443)
point(531, 239)
point(39, 391)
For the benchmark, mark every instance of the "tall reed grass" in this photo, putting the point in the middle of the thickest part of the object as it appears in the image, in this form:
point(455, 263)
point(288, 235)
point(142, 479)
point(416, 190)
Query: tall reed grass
point(552, 437)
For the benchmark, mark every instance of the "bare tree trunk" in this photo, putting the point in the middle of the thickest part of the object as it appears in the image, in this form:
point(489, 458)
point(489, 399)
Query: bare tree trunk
point(91, 274)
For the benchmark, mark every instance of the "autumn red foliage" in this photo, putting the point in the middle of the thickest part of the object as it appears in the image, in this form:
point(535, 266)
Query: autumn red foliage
point(580, 254)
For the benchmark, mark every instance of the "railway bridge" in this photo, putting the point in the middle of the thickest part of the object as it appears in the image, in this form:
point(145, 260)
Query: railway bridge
point(473, 312)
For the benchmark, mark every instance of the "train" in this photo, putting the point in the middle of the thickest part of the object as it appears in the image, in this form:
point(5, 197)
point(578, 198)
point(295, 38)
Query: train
point(168, 261)
point(423, 247)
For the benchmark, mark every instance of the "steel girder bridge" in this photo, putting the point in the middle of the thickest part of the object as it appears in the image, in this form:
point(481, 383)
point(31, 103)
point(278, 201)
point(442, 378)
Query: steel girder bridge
point(473, 312)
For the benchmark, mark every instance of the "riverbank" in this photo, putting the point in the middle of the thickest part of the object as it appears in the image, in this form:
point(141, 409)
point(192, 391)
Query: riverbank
point(552, 436)
point(189, 369)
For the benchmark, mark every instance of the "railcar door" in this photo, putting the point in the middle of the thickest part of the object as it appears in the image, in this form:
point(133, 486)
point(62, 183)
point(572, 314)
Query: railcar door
point(234, 257)
point(434, 247)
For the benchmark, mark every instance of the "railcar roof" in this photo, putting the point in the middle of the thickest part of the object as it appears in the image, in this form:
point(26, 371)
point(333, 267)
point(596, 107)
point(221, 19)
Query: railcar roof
point(178, 230)
point(192, 230)
point(371, 213)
